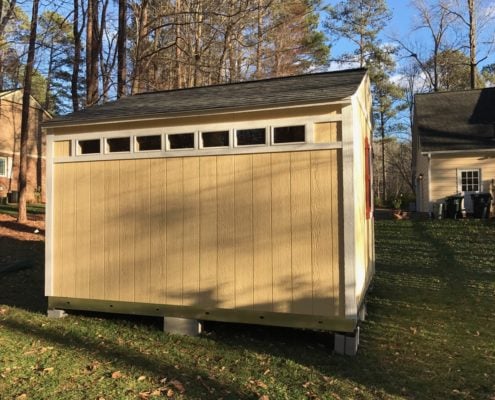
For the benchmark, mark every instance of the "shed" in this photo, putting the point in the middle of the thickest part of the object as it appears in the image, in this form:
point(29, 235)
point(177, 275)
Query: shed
point(247, 202)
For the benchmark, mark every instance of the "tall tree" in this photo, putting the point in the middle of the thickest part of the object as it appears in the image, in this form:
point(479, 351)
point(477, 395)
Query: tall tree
point(358, 22)
point(26, 97)
point(436, 20)
point(77, 31)
point(121, 49)
point(93, 44)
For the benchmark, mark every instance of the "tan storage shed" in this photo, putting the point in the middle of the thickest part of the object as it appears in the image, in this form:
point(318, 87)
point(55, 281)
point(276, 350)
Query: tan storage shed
point(246, 202)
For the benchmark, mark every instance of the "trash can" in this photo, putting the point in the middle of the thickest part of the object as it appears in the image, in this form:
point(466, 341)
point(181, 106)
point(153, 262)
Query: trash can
point(453, 206)
point(13, 197)
point(481, 204)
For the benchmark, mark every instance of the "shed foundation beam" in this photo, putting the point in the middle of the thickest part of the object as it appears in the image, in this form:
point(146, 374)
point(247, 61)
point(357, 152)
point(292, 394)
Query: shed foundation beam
point(56, 314)
point(347, 343)
point(182, 326)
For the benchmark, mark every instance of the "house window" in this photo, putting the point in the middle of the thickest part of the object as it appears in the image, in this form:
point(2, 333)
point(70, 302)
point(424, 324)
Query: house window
point(148, 143)
point(289, 134)
point(3, 166)
point(119, 145)
point(89, 146)
point(179, 141)
point(470, 180)
point(250, 137)
point(215, 139)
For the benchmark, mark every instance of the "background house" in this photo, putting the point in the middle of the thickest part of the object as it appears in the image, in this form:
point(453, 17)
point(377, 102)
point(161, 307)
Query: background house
point(453, 145)
point(10, 138)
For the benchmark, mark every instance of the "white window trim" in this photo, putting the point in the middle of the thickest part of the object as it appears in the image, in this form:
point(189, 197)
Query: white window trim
point(267, 136)
point(8, 161)
point(107, 146)
point(135, 141)
point(459, 180)
point(167, 142)
point(230, 136)
point(78, 149)
point(306, 134)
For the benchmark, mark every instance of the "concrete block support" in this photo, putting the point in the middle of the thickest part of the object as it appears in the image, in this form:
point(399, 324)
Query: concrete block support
point(182, 326)
point(347, 343)
point(56, 314)
point(362, 313)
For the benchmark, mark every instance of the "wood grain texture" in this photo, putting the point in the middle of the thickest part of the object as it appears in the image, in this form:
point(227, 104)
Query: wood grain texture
point(111, 217)
point(208, 231)
point(142, 275)
point(158, 226)
point(61, 148)
point(259, 232)
point(175, 231)
point(262, 232)
point(127, 229)
point(281, 233)
point(243, 227)
point(301, 235)
point(321, 195)
point(226, 223)
point(82, 229)
point(97, 240)
point(191, 232)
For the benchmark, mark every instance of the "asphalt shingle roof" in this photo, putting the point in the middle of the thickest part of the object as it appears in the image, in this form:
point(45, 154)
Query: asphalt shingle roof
point(301, 89)
point(463, 120)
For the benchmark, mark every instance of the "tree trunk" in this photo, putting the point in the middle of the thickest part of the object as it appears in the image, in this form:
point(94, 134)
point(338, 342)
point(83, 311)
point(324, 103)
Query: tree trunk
point(178, 64)
point(22, 212)
point(92, 53)
point(472, 42)
point(259, 41)
point(121, 49)
point(384, 184)
point(77, 59)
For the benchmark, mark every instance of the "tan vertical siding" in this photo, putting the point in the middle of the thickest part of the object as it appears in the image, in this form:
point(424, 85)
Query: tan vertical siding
point(61, 148)
point(254, 231)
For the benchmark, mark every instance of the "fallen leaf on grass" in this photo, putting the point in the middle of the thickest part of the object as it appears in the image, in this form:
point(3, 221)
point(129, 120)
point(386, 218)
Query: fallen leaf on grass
point(116, 375)
point(47, 370)
point(3, 311)
point(21, 397)
point(264, 397)
point(170, 393)
point(141, 378)
point(177, 385)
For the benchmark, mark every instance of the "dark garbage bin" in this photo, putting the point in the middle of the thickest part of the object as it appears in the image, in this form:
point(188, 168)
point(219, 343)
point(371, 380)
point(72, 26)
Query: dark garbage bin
point(13, 197)
point(453, 206)
point(481, 204)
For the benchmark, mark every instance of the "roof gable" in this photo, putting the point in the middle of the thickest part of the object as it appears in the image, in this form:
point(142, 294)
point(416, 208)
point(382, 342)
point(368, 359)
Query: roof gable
point(301, 89)
point(463, 120)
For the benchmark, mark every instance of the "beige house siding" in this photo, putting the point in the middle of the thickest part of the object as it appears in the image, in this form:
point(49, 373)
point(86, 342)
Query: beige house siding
point(444, 169)
point(255, 231)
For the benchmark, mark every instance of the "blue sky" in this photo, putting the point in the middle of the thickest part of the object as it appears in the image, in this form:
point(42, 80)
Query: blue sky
point(401, 25)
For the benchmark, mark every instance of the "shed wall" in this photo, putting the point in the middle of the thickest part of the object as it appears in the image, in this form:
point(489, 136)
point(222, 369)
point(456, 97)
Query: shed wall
point(257, 231)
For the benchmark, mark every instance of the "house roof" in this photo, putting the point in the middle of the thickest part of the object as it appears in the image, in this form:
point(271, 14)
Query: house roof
point(15, 96)
point(462, 120)
point(294, 90)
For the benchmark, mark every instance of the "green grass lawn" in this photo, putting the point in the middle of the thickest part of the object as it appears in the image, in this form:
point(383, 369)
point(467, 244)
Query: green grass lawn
point(430, 334)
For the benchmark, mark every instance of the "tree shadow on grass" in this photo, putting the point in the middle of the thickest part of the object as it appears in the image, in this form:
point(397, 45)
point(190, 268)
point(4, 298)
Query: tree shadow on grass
point(23, 288)
point(198, 384)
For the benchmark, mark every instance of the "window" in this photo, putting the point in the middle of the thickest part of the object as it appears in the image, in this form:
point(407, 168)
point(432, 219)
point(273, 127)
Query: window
point(89, 146)
point(289, 134)
point(148, 143)
point(3, 166)
point(470, 180)
point(215, 139)
point(250, 137)
point(181, 141)
point(119, 145)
